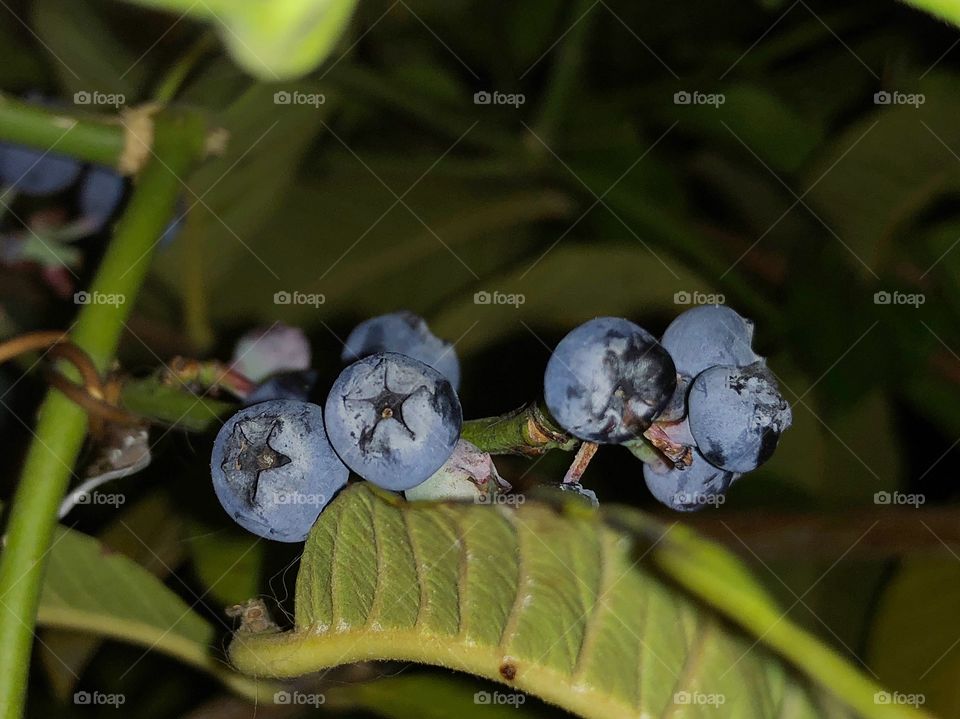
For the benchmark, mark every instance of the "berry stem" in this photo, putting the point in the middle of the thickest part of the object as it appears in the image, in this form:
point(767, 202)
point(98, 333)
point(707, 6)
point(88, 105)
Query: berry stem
point(62, 425)
point(529, 431)
point(646, 452)
point(580, 462)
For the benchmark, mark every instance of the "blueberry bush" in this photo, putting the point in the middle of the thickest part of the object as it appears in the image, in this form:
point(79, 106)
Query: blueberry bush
point(540, 359)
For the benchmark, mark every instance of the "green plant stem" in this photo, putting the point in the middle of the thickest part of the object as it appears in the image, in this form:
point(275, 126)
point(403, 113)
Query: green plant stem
point(87, 138)
point(61, 425)
point(173, 80)
point(529, 431)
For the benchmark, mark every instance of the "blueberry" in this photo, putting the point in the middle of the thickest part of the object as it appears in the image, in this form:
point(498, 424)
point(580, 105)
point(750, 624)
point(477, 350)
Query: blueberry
point(689, 487)
point(274, 469)
point(709, 335)
point(100, 193)
point(676, 408)
point(268, 350)
point(736, 416)
point(608, 380)
point(407, 334)
point(393, 420)
point(284, 385)
point(36, 173)
point(175, 226)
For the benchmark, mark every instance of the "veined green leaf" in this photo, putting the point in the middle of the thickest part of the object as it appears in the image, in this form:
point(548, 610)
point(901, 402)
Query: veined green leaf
point(92, 589)
point(552, 601)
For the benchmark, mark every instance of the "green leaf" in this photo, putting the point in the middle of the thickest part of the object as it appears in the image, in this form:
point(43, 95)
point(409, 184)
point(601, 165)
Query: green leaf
point(754, 117)
point(227, 563)
point(912, 645)
point(424, 696)
point(84, 51)
point(277, 40)
point(865, 193)
point(552, 286)
point(552, 601)
point(90, 588)
point(149, 533)
point(944, 9)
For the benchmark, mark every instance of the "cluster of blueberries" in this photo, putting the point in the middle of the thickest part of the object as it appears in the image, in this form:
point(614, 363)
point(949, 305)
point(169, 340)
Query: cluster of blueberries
point(701, 402)
point(700, 395)
point(392, 417)
point(36, 173)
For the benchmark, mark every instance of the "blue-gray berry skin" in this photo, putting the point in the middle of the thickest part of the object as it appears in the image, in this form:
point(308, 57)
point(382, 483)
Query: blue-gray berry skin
point(607, 380)
point(676, 408)
point(274, 469)
point(736, 416)
point(707, 336)
point(284, 385)
point(393, 420)
point(691, 487)
point(36, 173)
point(101, 191)
point(407, 334)
point(264, 351)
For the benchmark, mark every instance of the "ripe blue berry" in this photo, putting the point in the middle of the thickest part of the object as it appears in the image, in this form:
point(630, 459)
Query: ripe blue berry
point(608, 380)
point(284, 385)
point(676, 408)
point(709, 335)
point(736, 416)
point(690, 487)
point(274, 470)
point(100, 193)
point(407, 334)
point(393, 420)
point(268, 350)
point(36, 173)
